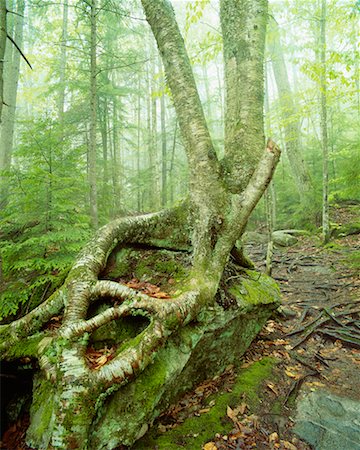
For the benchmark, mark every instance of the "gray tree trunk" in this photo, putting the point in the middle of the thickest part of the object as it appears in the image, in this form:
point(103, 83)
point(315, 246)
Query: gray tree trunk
point(116, 166)
point(243, 26)
point(11, 79)
point(92, 152)
point(291, 125)
point(164, 183)
point(3, 34)
point(62, 62)
point(323, 124)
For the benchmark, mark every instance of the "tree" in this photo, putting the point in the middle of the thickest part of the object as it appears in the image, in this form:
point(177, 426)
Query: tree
point(93, 117)
point(291, 123)
point(11, 78)
point(223, 194)
point(323, 119)
point(3, 35)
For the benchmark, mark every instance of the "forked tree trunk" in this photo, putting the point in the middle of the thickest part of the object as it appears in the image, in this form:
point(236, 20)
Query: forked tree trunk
point(218, 212)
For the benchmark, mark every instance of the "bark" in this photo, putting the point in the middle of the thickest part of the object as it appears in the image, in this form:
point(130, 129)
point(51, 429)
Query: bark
point(62, 62)
point(138, 121)
point(323, 124)
point(116, 166)
point(163, 150)
point(291, 125)
point(3, 35)
point(11, 78)
point(243, 26)
point(92, 153)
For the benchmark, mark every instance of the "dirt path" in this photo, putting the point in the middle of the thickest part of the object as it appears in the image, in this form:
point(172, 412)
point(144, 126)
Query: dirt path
point(317, 339)
point(320, 294)
point(314, 343)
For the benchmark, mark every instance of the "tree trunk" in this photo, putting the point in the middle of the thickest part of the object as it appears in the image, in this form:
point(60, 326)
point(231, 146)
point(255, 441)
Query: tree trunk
point(243, 26)
point(116, 166)
point(92, 154)
point(323, 124)
point(291, 125)
point(208, 225)
point(62, 62)
point(11, 78)
point(163, 149)
point(3, 34)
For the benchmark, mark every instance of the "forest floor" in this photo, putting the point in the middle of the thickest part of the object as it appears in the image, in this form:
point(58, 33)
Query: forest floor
point(314, 343)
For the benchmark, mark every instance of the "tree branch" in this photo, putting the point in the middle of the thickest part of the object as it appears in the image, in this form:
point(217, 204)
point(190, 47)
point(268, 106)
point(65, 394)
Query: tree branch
point(19, 50)
point(179, 76)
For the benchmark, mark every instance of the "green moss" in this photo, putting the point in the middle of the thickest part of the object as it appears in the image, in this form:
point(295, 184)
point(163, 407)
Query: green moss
point(252, 292)
point(353, 259)
point(26, 347)
point(41, 411)
point(195, 431)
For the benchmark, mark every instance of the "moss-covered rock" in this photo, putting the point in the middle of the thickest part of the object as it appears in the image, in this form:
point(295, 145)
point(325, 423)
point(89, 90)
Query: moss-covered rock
point(197, 430)
point(196, 352)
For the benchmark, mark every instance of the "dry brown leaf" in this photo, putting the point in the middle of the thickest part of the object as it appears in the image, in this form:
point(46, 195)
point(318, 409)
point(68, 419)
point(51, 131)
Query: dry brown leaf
point(241, 409)
point(231, 414)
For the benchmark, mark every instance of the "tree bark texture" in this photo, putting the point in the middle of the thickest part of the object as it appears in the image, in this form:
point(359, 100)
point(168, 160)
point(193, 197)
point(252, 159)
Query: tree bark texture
point(243, 26)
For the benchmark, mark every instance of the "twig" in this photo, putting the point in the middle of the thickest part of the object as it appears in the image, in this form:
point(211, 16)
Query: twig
point(19, 50)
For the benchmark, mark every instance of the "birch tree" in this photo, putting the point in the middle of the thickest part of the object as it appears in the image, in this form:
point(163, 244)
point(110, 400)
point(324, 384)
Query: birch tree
point(223, 194)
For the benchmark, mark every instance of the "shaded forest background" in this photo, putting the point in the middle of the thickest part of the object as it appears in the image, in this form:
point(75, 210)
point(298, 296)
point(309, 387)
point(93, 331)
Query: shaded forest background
point(89, 133)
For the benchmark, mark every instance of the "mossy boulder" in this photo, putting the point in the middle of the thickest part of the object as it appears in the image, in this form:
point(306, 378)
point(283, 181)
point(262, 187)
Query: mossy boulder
point(196, 352)
point(196, 430)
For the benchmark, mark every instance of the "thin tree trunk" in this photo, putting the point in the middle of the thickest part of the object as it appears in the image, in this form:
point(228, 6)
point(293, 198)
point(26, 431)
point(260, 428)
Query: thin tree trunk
point(105, 150)
point(62, 62)
point(323, 120)
point(116, 172)
point(3, 34)
point(163, 149)
point(171, 169)
point(291, 125)
point(154, 135)
point(138, 120)
point(93, 118)
point(11, 79)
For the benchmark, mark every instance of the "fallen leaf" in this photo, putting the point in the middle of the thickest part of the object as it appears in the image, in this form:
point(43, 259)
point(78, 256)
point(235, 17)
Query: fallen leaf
point(210, 446)
point(273, 437)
